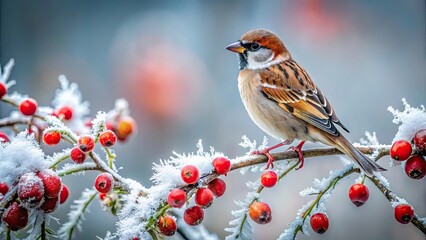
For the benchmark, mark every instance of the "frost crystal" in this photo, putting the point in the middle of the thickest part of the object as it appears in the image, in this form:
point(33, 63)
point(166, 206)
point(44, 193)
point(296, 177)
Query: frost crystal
point(251, 146)
point(411, 120)
point(4, 76)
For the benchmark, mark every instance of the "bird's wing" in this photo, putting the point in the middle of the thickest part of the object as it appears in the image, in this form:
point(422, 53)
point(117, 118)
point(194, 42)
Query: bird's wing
point(289, 85)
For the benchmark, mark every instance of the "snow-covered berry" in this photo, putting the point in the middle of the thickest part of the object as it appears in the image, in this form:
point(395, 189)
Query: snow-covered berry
point(51, 182)
point(415, 167)
point(176, 198)
point(86, 143)
point(268, 179)
point(420, 141)
point(30, 190)
point(260, 212)
point(190, 174)
point(204, 197)
point(4, 137)
point(77, 155)
point(193, 215)
point(51, 138)
point(107, 138)
point(28, 106)
point(50, 204)
point(65, 192)
point(217, 186)
point(221, 165)
point(64, 112)
point(319, 223)
point(401, 150)
point(4, 188)
point(358, 194)
point(404, 213)
point(15, 217)
point(166, 225)
point(104, 182)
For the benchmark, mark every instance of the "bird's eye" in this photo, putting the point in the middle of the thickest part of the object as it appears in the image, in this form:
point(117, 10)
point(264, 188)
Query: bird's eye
point(254, 47)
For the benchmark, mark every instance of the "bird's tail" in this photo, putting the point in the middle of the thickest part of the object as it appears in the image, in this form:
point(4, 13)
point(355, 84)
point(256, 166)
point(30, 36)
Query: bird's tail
point(368, 165)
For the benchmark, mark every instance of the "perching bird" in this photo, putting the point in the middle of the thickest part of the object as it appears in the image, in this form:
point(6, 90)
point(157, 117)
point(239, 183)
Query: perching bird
point(284, 102)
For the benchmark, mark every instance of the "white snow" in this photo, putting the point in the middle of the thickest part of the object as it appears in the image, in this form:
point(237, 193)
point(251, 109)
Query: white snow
point(410, 120)
point(4, 76)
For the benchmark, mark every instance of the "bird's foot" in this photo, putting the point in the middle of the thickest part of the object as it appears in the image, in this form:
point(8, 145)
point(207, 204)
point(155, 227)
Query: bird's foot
point(298, 150)
point(267, 153)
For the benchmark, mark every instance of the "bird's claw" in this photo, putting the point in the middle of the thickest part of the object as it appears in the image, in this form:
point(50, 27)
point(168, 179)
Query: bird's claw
point(266, 152)
point(298, 150)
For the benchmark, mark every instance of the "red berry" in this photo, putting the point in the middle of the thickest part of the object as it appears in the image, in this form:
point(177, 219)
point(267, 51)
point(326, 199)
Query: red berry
point(420, 141)
point(401, 150)
point(221, 165)
point(3, 137)
point(28, 106)
point(166, 225)
point(193, 215)
point(404, 213)
point(3, 90)
point(77, 155)
point(15, 217)
point(109, 126)
point(107, 138)
point(190, 174)
point(30, 190)
point(51, 138)
point(319, 223)
point(52, 183)
point(204, 197)
point(102, 196)
point(86, 143)
point(269, 179)
point(104, 182)
point(65, 112)
point(415, 167)
point(218, 187)
point(4, 188)
point(65, 192)
point(50, 204)
point(176, 198)
point(260, 212)
point(358, 193)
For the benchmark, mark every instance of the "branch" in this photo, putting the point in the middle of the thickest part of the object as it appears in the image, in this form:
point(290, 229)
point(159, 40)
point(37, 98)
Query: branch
point(10, 122)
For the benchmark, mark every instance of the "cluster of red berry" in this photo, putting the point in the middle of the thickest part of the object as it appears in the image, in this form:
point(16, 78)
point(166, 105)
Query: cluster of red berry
point(204, 196)
point(42, 190)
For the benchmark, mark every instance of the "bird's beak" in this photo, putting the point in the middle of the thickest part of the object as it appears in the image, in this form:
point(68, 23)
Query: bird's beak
point(236, 47)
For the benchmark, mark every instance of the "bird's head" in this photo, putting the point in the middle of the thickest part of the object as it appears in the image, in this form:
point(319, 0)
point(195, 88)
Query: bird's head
point(259, 49)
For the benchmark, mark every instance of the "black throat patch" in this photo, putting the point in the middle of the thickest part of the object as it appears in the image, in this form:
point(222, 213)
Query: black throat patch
point(243, 60)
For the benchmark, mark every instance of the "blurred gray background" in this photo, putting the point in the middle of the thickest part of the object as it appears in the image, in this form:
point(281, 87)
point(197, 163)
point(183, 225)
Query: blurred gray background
point(167, 59)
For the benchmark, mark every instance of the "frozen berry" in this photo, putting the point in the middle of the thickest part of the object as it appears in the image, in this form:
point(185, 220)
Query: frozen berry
point(28, 106)
point(268, 179)
point(3, 137)
point(15, 217)
point(319, 223)
point(401, 150)
point(102, 196)
point(104, 182)
point(3, 90)
point(50, 204)
point(176, 198)
point(107, 138)
point(166, 225)
point(415, 167)
point(204, 197)
point(218, 187)
point(193, 215)
point(221, 165)
point(51, 138)
point(64, 112)
point(4, 188)
point(52, 183)
point(65, 192)
point(77, 155)
point(404, 213)
point(420, 141)
point(190, 174)
point(358, 193)
point(125, 126)
point(86, 143)
point(30, 190)
point(260, 212)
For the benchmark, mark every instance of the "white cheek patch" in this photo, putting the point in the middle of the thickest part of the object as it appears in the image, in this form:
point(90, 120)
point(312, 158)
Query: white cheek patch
point(252, 64)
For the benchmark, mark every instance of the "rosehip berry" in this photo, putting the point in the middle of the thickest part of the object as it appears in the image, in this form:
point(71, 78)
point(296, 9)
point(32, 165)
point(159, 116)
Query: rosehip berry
point(51, 138)
point(107, 138)
point(193, 215)
point(218, 187)
point(221, 165)
point(319, 223)
point(77, 155)
point(420, 141)
point(65, 112)
point(15, 217)
point(404, 213)
point(401, 150)
point(204, 197)
point(52, 183)
point(65, 192)
point(50, 204)
point(166, 225)
point(415, 167)
point(86, 143)
point(4, 188)
point(125, 126)
point(268, 179)
point(260, 212)
point(190, 174)
point(176, 198)
point(28, 107)
point(3, 90)
point(358, 193)
point(104, 182)
point(102, 196)
point(3, 137)
point(30, 190)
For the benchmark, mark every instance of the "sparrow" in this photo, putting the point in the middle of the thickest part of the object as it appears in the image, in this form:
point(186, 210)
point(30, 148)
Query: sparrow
point(283, 100)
